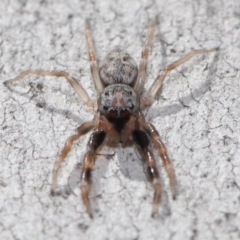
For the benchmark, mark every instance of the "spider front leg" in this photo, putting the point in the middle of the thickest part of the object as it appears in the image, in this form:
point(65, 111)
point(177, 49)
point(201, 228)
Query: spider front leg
point(95, 141)
point(74, 83)
point(141, 139)
point(149, 96)
point(83, 129)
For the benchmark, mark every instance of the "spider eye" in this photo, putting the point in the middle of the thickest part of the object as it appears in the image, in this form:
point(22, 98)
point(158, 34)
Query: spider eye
point(125, 58)
point(106, 93)
point(132, 107)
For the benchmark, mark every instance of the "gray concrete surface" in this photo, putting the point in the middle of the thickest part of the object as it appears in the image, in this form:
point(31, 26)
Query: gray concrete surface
point(196, 112)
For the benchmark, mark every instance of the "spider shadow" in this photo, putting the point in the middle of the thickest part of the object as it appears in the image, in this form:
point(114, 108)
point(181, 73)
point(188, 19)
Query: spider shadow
point(128, 161)
point(132, 166)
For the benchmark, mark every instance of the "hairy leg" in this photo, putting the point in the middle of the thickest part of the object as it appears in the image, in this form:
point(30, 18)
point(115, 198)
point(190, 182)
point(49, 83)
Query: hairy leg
point(83, 129)
point(143, 62)
point(141, 139)
point(92, 58)
point(149, 96)
point(162, 151)
point(74, 83)
point(95, 141)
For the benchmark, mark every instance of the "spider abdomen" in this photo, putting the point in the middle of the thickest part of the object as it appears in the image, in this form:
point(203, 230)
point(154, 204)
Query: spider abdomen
point(118, 67)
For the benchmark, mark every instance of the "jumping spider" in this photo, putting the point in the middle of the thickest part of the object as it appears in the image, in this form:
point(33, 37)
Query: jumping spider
point(119, 84)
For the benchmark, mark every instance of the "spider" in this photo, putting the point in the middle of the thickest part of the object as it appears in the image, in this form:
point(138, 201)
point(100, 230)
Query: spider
point(119, 118)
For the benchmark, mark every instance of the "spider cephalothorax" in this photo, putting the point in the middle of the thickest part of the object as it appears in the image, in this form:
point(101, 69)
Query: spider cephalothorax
point(118, 96)
point(118, 102)
point(119, 84)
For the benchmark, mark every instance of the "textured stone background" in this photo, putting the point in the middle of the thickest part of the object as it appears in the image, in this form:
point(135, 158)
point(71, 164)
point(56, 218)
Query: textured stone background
point(197, 114)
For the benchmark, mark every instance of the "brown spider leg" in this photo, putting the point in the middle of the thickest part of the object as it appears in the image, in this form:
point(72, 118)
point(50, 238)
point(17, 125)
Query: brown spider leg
point(92, 58)
point(83, 129)
point(162, 151)
point(95, 141)
point(74, 83)
point(143, 62)
point(141, 139)
point(149, 96)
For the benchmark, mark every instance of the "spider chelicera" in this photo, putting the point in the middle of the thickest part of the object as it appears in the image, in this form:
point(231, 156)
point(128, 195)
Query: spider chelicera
point(119, 84)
